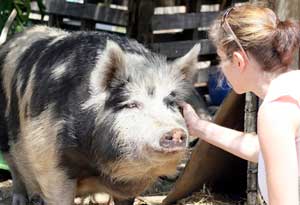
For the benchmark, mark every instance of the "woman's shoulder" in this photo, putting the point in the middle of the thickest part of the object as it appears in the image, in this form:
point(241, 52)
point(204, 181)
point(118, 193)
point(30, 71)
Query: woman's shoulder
point(285, 85)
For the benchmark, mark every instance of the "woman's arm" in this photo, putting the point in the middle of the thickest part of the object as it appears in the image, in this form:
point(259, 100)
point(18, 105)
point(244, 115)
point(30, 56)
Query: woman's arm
point(278, 123)
point(238, 143)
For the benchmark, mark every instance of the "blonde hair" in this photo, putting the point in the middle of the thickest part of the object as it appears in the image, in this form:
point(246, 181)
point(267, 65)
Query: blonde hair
point(272, 42)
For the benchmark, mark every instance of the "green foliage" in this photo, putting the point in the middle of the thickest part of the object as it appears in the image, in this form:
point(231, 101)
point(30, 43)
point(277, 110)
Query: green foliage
point(23, 10)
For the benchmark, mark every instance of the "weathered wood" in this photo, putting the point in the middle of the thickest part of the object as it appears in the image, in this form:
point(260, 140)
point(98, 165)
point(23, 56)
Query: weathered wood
point(87, 25)
point(116, 2)
point(55, 21)
point(221, 1)
point(183, 21)
point(178, 36)
point(178, 48)
point(250, 127)
point(210, 165)
point(144, 15)
point(209, 2)
point(88, 11)
point(132, 15)
point(192, 6)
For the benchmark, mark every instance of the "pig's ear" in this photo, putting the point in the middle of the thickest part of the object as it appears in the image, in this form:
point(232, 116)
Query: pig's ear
point(188, 63)
point(114, 62)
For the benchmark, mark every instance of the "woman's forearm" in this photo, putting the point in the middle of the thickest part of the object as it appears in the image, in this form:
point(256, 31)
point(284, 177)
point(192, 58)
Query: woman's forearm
point(244, 145)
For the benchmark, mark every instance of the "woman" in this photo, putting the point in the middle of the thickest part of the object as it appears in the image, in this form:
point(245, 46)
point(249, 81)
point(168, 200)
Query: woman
point(256, 50)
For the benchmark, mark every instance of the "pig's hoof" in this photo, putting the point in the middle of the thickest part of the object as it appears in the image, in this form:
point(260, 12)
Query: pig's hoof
point(36, 200)
point(19, 199)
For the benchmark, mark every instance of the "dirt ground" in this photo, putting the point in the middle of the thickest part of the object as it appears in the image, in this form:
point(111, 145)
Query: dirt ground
point(154, 198)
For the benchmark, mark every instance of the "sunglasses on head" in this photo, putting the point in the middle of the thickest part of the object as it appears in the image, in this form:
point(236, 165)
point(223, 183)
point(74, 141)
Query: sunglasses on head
point(225, 25)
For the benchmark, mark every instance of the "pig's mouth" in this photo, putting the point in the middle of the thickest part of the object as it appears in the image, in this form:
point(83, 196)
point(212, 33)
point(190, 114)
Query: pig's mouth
point(166, 151)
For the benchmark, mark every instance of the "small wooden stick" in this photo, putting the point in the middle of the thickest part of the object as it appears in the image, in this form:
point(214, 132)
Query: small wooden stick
point(7, 25)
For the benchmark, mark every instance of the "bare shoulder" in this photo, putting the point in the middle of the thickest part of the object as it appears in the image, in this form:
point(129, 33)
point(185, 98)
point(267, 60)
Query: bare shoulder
point(283, 112)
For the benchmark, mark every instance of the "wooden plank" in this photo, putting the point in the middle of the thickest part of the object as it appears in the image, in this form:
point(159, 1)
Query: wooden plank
point(196, 7)
point(210, 2)
point(179, 48)
point(167, 37)
point(132, 6)
point(183, 20)
point(88, 11)
point(88, 25)
point(116, 2)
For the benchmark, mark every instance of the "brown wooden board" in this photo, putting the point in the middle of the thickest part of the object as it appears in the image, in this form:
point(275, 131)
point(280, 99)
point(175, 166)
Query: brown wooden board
point(117, 2)
point(183, 21)
point(179, 48)
point(88, 11)
point(210, 165)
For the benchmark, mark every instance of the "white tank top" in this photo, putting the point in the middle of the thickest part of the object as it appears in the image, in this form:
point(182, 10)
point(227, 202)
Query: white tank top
point(286, 84)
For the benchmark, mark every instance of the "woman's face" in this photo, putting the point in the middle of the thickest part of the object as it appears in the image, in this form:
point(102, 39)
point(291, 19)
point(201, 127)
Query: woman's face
point(231, 72)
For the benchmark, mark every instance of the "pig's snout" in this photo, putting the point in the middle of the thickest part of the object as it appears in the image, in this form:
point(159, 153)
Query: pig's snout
point(176, 138)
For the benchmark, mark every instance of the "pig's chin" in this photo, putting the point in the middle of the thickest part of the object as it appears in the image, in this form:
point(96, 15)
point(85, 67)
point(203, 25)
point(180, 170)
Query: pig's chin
point(165, 152)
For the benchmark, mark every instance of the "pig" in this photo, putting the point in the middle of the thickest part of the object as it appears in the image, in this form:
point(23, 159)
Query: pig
point(87, 112)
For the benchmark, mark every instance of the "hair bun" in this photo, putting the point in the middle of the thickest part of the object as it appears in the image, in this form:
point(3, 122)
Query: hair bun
point(286, 39)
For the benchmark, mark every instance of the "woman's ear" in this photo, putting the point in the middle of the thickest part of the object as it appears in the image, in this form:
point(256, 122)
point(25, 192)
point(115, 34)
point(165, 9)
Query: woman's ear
point(239, 61)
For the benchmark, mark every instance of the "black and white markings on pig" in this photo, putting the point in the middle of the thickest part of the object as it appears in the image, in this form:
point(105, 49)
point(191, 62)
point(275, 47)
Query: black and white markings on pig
point(23, 69)
point(79, 58)
point(63, 90)
point(81, 163)
point(118, 95)
point(27, 62)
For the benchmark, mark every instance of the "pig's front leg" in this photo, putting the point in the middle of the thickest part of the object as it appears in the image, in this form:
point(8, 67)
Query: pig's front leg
point(19, 190)
point(60, 192)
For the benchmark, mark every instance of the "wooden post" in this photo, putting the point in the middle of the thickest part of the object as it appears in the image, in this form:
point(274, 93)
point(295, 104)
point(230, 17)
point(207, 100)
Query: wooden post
point(192, 6)
point(145, 13)
point(250, 127)
point(55, 21)
point(131, 29)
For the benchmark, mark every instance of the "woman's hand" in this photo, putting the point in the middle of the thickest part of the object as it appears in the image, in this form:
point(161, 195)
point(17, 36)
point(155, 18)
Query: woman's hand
point(191, 118)
point(244, 145)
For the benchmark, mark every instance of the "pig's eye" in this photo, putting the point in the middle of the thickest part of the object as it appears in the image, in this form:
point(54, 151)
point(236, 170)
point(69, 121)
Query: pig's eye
point(132, 105)
point(172, 105)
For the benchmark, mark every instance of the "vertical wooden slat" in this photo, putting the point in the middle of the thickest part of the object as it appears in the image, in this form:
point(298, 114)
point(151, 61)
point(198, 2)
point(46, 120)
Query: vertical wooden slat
point(191, 7)
point(132, 15)
point(88, 25)
point(250, 127)
point(55, 21)
point(145, 13)
point(197, 8)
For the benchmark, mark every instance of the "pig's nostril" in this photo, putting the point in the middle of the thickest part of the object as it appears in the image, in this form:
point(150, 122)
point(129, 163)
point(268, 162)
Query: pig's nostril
point(169, 137)
point(183, 137)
